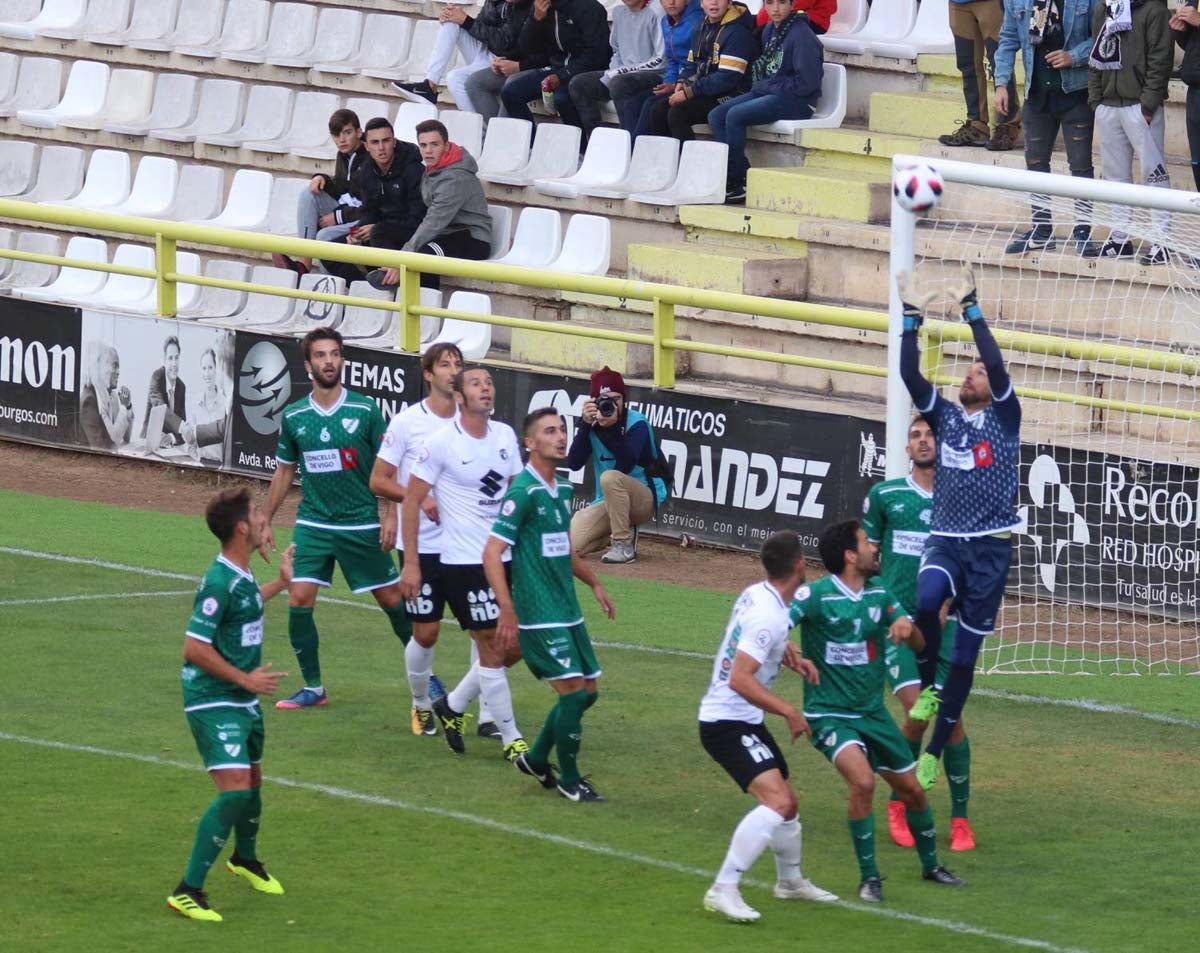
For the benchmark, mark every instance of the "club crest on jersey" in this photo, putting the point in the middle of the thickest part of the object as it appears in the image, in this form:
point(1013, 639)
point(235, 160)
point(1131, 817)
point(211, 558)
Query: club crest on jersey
point(983, 454)
point(926, 516)
point(503, 453)
point(350, 424)
point(874, 613)
point(233, 750)
point(349, 458)
point(324, 435)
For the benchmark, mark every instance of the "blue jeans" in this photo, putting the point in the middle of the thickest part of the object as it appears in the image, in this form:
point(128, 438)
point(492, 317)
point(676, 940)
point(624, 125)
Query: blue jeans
point(730, 120)
point(522, 87)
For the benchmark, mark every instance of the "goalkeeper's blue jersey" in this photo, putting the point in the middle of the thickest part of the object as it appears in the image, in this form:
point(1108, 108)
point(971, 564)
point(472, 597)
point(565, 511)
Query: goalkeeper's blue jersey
point(975, 481)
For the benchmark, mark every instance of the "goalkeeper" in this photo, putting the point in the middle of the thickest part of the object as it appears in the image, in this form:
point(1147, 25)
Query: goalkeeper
point(969, 549)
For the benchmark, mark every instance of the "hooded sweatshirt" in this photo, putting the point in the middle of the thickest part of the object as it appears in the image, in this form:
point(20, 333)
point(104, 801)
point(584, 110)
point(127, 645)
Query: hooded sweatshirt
point(797, 69)
point(718, 62)
point(454, 200)
point(636, 39)
point(819, 13)
point(392, 199)
point(572, 38)
point(677, 39)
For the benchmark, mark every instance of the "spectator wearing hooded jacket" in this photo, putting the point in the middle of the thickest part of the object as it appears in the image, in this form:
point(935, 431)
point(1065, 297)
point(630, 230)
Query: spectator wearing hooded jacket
point(718, 68)
point(678, 24)
point(785, 84)
point(819, 13)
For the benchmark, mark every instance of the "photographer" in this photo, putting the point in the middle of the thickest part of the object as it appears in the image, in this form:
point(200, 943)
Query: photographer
point(622, 446)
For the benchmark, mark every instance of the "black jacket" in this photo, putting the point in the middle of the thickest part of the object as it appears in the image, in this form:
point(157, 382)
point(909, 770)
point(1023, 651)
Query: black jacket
point(392, 200)
point(347, 171)
point(1188, 40)
point(573, 38)
point(498, 25)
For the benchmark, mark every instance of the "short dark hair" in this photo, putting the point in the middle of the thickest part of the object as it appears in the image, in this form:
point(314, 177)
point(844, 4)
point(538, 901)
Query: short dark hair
point(780, 553)
point(319, 334)
point(379, 122)
point(461, 376)
point(534, 416)
point(835, 541)
point(341, 118)
point(226, 510)
point(435, 352)
point(433, 125)
point(171, 339)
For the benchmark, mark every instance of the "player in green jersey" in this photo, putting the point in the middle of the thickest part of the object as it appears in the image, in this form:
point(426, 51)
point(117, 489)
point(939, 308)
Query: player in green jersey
point(542, 610)
point(222, 679)
point(332, 437)
point(897, 514)
point(846, 620)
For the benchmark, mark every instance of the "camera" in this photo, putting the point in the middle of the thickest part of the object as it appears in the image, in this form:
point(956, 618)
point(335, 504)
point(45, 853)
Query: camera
point(606, 407)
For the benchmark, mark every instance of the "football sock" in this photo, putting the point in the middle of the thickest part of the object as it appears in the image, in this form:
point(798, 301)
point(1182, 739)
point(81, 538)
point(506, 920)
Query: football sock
point(302, 633)
point(954, 697)
point(921, 826)
point(418, 660)
point(493, 688)
point(401, 623)
point(465, 691)
point(785, 842)
point(915, 748)
point(568, 733)
point(750, 839)
point(485, 714)
point(863, 834)
point(957, 761)
point(245, 828)
point(211, 834)
point(927, 659)
point(539, 751)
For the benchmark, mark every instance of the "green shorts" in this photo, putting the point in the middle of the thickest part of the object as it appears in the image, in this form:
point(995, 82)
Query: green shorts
point(228, 737)
point(900, 667)
point(875, 733)
point(560, 652)
point(357, 551)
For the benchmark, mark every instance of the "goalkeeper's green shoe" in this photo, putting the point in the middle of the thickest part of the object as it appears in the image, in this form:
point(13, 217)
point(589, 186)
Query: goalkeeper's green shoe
point(927, 771)
point(255, 872)
point(193, 904)
point(925, 708)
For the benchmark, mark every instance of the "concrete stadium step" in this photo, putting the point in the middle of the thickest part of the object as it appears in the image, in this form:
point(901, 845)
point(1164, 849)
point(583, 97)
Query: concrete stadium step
point(849, 195)
point(855, 148)
point(720, 268)
point(927, 115)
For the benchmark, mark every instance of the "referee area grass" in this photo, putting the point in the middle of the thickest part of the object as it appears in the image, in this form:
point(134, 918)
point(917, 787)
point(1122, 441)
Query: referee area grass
point(385, 841)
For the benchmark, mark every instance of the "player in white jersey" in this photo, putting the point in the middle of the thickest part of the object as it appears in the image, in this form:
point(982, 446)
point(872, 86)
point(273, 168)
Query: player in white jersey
point(734, 733)
point(469, 465)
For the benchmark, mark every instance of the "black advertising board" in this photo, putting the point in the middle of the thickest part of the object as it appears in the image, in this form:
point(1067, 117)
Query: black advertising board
point(41, 369)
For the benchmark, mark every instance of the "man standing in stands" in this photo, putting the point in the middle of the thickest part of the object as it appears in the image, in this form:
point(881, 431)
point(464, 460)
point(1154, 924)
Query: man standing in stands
point(976, 28)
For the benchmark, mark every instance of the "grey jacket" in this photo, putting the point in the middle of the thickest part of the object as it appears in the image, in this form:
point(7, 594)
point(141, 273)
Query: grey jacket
point(454, 202)
point(1147, 58)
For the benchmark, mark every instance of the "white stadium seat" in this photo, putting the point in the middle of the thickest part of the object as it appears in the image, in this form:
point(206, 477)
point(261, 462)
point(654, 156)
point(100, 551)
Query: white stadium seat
point(930, 34)
point(10, 64)
point(186, 263)
point(383, 45)
point(309, 314)
point(59, 175)
point(361, 322)
point(408, 115)
point(555, 155)
point(365, 109)
point(430, 326)
point(30, 274)
point(701, 179)
point(501, 230)
point(7, 237)
point(586, 247)
point(653, 167)
point(465, 128)
point(291, 32)
point(103, 16)
point(472, 337)
point(87, 86)
point(218, 113)
point(420, 47)
point(218, 302)
point(18, 11)
point(308, 129)
point(18, 166)
point(198, 24)
point(174, 106)
point(54, 15)
point(130, 94)
point(337, 35)
point(154, 189)
point(72, 283)
point(106, 183)
point(505, 146)
point(128, 292)
point(38, 85)
point(149, 20)
point(831, 107)
point(538, 239)
point(260, 310)
point(605, 163)
point(850, 17)
point(267, 114)
point(248, 202)
point(201, 188)
point(244, 28)
point(281, 215)
point(886, 21)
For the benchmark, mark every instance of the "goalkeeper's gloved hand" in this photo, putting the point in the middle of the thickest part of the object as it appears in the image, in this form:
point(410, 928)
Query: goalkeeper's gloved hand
point(913, 299)
point(968, 298)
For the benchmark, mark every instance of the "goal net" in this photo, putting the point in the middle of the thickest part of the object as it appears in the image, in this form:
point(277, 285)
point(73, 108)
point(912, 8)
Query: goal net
point(1105, 355)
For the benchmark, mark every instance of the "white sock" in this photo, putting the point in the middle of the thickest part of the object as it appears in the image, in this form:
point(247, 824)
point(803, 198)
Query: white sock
point(750, 839)
point(485, 714)
point(493, 683)
point(465, 691)
point(785, 842)
point(419, 662)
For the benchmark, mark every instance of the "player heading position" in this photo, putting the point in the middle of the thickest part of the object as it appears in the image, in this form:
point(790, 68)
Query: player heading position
point(332, 436)
point(733, 730)
point(846, 619)
point(469, 464)
point(969, 549)
point(541, 610)
point(897, 516)
point(222, 679)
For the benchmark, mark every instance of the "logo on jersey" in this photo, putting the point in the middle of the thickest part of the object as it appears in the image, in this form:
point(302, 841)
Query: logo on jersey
point(483, 606)
point(983, 454)
point(324, 435)
point(508, 508)
point(264, 387)
point(491, 484)
point(209, 606)
point(350, 424)
point(926, 516)
point(762, 638)
point(1051, 520)
point(503, 453)
point(233, 750)
point(349, 458)
point(758, 751)
point(874, 613)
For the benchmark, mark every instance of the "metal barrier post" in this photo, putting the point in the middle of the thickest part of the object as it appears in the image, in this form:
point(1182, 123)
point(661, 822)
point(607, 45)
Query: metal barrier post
point(410, 320)
point(933, 353)
point(165, 263)
point(664, 357)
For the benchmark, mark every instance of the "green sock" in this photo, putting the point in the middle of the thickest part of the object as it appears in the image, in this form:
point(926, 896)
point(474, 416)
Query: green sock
point(921, 826)
point(957, 760)
point(539, 752)
point(302, 633)
point(401, 623)
point(568, 732)
point(592, 699)
point(915, 748)
point(245, 828)
point(211, 834)
point(862, 833)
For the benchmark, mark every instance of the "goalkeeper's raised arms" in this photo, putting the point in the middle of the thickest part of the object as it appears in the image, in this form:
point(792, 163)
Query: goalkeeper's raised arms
point(914, 299)
point(968, 298)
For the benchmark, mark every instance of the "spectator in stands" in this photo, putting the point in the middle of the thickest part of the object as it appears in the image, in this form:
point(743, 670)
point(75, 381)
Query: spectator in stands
point(621, 445)
point(166, 388)
point(105, 410)
point(492, 33)
point(718, 68)
point(678, 24)
point(482, 88)
point(390, 189)
point(636, 67)
point(785, 84)
point(819, 13)
point(1054, 44)
point(976, 28)
point(565, 38)
point(457, 223)
point(1130, 65)
point(331, 205)
point(1185, 22)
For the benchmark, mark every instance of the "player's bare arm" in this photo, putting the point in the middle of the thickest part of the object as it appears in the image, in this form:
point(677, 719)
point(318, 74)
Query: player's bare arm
point(493, 568)
point(273, 588)
point(903, 630)
point(383, 481)
point(742, 681)
point(581, 571)
point(410, 526)
point(260, 681)
point(800, 665)
point(389, 526)
point(281, 483)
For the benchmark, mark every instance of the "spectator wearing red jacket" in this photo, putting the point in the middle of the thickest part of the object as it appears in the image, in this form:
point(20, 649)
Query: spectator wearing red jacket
point(819, 13)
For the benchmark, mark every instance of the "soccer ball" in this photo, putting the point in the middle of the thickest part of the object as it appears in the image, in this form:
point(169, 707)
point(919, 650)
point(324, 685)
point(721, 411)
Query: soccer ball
point(917, 188)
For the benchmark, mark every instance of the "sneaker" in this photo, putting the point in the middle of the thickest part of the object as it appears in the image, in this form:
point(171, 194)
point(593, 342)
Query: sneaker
point(961, 835)
point(1035, 239)
point(940, 875)
point(727, 901)
point(801, 888)
point(436, 688)
point(256, 873)
point(452, 725)
point(423, 722)
point(898, 825)
point(1108, 249)
point(545, 776)
point(515, 749)
point(1006, 137)
point(970, 132)
point(193, 904)
point(581, 790)
point(488, 729)
point(1157, 255)
point(620, 552)
point(289, 264)
point(925, 708)
point(305, 698)
point(1081, 235)
point(870, 889)
point(735, 193)
point(927, 771)
point(422, 91)
point(374, 278)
